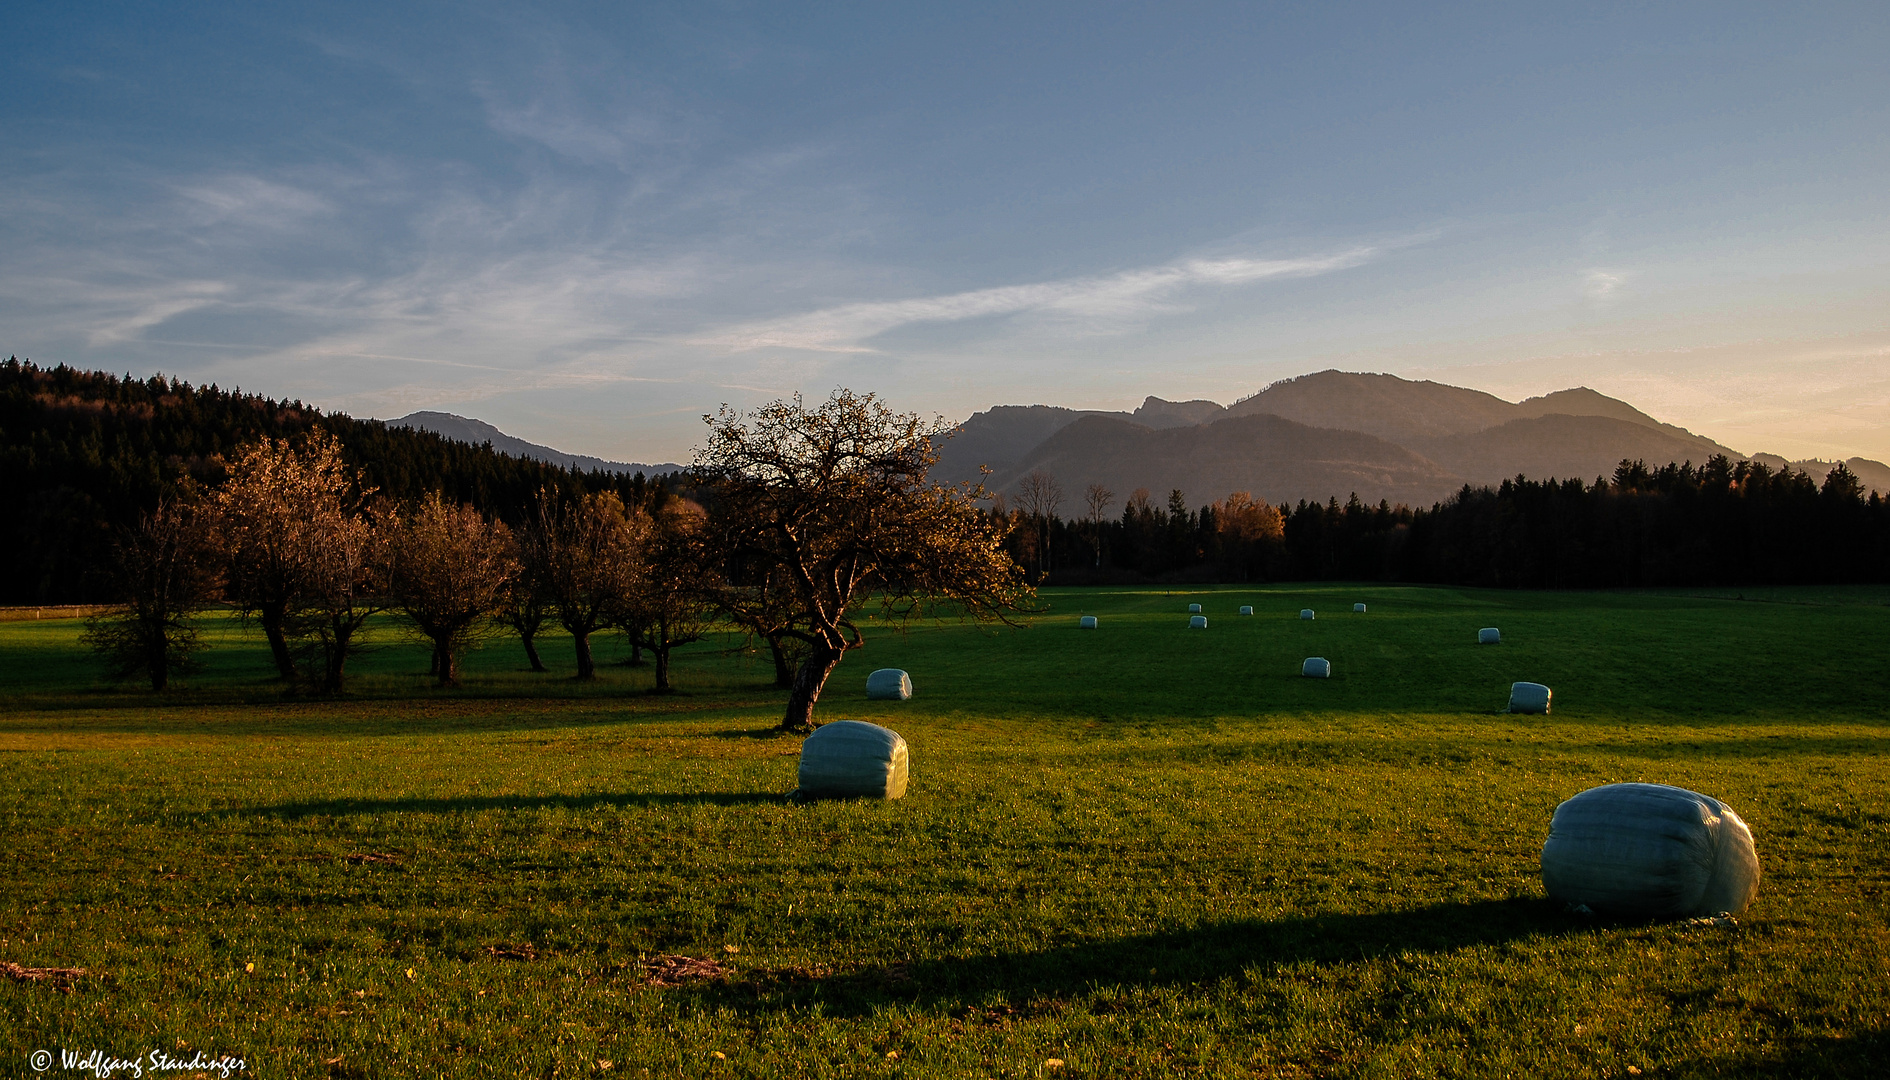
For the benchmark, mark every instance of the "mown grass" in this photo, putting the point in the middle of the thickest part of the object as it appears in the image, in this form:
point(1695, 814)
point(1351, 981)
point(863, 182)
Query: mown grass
point(1139, 850)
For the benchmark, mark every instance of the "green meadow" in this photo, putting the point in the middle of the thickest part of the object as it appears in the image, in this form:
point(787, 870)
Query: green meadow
point(1135, 851)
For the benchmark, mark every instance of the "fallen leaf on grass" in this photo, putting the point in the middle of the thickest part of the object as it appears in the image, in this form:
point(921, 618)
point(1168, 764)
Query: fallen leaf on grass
point(59, 976)
point(673, 970)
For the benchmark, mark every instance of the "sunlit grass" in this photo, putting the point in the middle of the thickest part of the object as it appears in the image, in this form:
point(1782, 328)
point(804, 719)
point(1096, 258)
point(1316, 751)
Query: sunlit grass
point(1138, 850)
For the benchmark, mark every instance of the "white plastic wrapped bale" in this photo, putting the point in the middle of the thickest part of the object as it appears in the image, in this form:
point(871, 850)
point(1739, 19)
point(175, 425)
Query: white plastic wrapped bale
point(1650, 851)
point(1306, 613)
point(1194, 609)
point(888, 684)
point(1489, 635)
point(1360, 608)
point(853, 759)
point(1246, 609)
point(1529, 697)
point(1316, 667)
point(1087, 622)
point(1197, 622)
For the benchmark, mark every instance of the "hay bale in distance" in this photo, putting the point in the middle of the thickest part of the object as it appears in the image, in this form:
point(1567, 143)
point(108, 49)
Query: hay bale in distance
point(1197, 622)
point(888, 684)
point(1529, 697)
point(1087, 622)
point(1316, 667)
point(1246, 609)
point(1360, 608)
point(1650, 851)
point(1194, 609)
point(1489, 635)
point(854, 759)
point(1306, 613)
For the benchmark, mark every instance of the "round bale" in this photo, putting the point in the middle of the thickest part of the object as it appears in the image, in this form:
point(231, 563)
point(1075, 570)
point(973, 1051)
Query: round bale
point(1489, 635)
point(1650, 851)
point(1197, 622)
point(1087, 622)
point(1316, 667)
point(888, 684)
point(1360, 608)
point(1246, 609)
point(1306, 613)
point(853, 759)
point(1529, 697)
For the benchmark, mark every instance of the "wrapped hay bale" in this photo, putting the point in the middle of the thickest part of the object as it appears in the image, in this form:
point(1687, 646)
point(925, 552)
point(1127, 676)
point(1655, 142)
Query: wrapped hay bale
point(1360, 608)
point(1194, 609)
point(888, 684)
point(1529, 697)
point(1087, 622)
point(1316, 667)
point(853, 759)
point(1489, 635)
point(1197, 622)
point(1650, 851)
point(1246, 609)
point(1306, 613)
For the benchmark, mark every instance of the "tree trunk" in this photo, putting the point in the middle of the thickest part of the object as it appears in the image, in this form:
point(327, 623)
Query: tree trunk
point(661, 652)
point(808, 682)
point(531, 651)
point(273, 613)
point(783, 674)
point(333, 675)
point(587, 668)
point(447, 660)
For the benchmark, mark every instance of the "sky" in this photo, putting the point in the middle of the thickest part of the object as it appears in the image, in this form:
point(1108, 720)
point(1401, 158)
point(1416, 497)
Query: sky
point(590, 224)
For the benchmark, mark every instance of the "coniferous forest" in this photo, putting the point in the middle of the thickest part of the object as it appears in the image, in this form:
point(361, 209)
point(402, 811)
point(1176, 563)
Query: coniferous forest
point(84, 454)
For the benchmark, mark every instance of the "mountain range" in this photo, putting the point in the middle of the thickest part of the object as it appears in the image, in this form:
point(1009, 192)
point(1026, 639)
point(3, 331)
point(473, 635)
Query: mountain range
point(1331, 434)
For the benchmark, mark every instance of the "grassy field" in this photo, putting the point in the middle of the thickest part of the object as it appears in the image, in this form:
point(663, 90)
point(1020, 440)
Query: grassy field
point(1140, 850)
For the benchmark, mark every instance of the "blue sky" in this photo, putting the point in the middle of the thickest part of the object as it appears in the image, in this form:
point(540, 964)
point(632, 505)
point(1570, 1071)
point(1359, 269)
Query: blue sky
point(589, 224)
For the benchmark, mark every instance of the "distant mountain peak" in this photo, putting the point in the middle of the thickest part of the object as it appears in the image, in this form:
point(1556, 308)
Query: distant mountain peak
point(469, 430)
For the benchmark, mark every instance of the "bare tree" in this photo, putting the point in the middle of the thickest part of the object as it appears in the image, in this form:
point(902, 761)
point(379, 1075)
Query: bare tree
point(1040, 497)
point(450, 572)
point(1097, 498)
point(837, 496)
point(269, 514)
point(344, 584)
point(164, 571)
point(529, 601)
point(596, 553)
point(674, 600)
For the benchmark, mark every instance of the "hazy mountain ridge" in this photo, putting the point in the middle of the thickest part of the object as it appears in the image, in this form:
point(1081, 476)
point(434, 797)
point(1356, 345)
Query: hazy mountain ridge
point(467, 430)
point(1423, 441)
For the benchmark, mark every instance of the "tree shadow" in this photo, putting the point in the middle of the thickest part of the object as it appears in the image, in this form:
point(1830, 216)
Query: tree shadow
point(1200, 955)
point(472, 804)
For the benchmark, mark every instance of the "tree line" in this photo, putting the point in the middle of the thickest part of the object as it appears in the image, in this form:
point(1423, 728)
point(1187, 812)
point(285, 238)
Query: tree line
point(807, 517)
point(1722, 523)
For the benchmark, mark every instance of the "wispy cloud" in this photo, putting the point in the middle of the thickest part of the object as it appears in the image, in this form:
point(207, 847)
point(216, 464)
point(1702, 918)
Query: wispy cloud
point(1601, 285)
point(1110, 300)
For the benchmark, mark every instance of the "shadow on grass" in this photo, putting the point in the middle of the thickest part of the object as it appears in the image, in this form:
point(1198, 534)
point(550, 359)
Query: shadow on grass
point(1177, 958)
point(473, 804)
point(1804, 1057)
